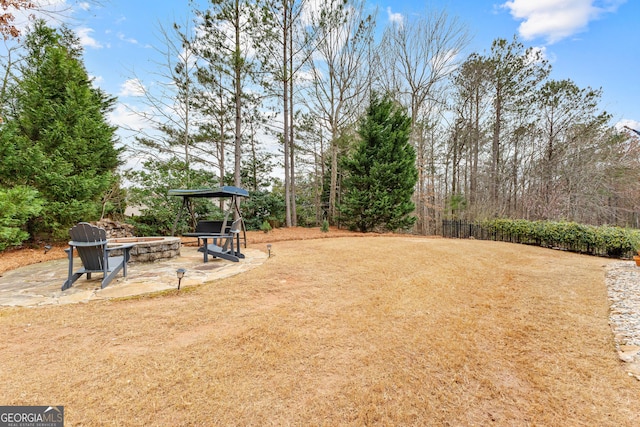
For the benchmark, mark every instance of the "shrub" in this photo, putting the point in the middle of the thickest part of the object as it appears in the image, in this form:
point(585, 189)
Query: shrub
point(266, 227)
point(616, 241)
point(262, 206)
point(17, 206)
point(605, 240)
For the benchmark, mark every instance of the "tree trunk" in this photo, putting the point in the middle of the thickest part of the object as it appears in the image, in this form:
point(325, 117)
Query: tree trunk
point(285, 127)
point(334, 180)
point(238, 99)
point(292, 175)
point(495, 155)
point(475, 143)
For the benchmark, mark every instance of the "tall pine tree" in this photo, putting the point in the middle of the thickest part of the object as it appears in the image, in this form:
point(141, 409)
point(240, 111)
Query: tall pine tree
point(56, 138)
point(381, 173)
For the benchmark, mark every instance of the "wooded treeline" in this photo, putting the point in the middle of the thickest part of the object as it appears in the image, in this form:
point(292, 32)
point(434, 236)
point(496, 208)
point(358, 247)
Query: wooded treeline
point(269, 94)
point(495, 135)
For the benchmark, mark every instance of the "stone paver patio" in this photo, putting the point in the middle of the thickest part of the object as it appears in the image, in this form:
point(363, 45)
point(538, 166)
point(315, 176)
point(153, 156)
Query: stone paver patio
point(39, 284)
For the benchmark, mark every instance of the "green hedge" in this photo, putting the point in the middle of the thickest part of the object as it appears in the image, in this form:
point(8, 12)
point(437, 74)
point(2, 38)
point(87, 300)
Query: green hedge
point(602, 241)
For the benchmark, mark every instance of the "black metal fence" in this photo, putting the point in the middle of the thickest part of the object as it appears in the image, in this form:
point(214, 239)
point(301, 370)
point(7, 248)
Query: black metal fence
point(459, 229)
point(466, 230)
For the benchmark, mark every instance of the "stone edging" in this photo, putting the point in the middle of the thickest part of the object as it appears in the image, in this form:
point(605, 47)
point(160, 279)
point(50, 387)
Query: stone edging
point(623, 286)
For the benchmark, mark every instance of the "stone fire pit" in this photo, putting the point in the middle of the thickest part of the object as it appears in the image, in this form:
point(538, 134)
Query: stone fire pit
point(148, 249)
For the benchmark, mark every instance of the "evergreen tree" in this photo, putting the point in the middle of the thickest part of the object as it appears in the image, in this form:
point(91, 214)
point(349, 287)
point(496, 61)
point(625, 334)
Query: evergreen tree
point(381, 173)
point(150, 188)
point(56, 138)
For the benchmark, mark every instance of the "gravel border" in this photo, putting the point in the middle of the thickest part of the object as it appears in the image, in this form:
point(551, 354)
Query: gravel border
point(623, 286)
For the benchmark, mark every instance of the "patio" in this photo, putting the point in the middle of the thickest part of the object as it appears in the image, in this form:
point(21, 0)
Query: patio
point(40, 284)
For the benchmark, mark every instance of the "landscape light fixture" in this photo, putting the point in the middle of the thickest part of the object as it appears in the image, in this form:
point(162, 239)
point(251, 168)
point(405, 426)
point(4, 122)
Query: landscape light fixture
point(269, 249)
point(180, 273)
point(47, 248)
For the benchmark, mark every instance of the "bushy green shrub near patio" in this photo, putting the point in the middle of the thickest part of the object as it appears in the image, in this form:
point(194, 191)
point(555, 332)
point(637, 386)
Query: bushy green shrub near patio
point(262, 206)
point(17, 205)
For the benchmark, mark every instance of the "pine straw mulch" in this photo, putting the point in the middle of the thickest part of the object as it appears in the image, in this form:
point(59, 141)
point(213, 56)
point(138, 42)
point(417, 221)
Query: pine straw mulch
point(391, 330)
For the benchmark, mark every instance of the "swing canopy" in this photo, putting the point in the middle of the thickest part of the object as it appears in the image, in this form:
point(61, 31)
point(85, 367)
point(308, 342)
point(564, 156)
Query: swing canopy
point(213, 193)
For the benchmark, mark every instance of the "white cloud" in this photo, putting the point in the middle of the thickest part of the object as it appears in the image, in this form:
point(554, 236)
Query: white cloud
point(537, 54)
point(129, 118)
point(51, 4)
point(225, 27)
point(132, 87)
point(395, 18)
point(445, 62)
point(96, 80)
point(86, 39)
point(628, 123)
point(52, 11)
point(84, 5)
point(557, 19)
point(122, 37)
point(311, 9)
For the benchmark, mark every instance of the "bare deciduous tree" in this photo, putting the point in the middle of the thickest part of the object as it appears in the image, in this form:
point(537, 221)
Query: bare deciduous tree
point(416, 58)
point(340, 76)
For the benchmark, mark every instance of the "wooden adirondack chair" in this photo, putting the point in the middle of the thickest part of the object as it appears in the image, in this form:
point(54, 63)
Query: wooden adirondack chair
point(91, 243)
point(223, 244)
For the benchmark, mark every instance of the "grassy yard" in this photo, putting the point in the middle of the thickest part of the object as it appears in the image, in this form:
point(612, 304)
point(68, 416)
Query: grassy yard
point(339, 331)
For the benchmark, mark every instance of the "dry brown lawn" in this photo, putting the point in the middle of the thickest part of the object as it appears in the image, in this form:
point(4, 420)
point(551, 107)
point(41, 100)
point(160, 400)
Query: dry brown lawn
point(385, 330)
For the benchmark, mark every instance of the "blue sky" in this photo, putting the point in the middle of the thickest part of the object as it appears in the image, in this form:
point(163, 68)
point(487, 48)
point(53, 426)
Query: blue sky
point(592, 42)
